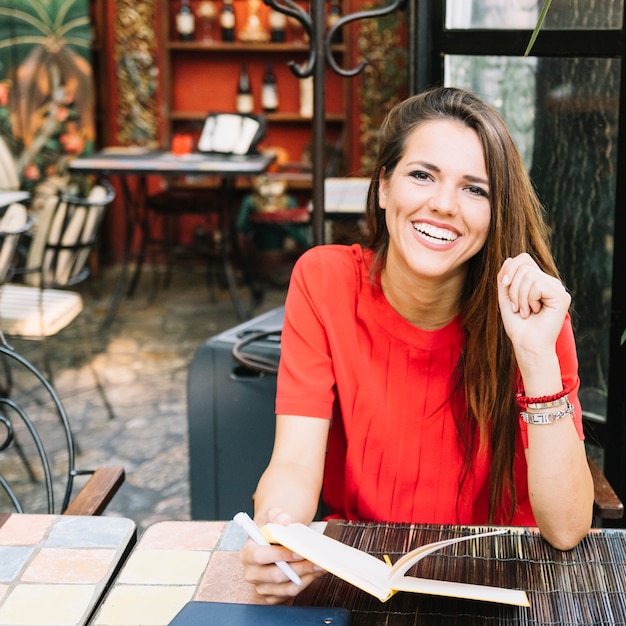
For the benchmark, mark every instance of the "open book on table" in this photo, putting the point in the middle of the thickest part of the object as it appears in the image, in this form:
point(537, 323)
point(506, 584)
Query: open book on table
point(379, 578)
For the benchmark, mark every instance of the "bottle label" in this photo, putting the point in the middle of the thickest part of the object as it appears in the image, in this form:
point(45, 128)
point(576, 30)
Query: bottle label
point(269, 98)
point(245, 103)
point(227, 20)
point(185, 23)
point(277, 20)
point(306, 97)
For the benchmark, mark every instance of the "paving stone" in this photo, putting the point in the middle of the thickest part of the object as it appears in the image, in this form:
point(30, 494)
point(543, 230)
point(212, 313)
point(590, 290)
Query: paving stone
point(142, 360)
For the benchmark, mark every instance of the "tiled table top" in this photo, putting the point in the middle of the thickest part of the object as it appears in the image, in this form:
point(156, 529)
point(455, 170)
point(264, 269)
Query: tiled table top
point(175, 562)
point(54, 569)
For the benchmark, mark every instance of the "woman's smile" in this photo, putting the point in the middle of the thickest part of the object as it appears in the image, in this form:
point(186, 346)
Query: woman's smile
point(434, 234)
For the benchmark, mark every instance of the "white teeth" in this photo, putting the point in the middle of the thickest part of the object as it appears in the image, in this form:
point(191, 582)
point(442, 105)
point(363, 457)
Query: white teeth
point(432, 232)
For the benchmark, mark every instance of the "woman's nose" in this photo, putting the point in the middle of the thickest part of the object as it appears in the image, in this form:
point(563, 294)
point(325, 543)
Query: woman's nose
point(444, 199)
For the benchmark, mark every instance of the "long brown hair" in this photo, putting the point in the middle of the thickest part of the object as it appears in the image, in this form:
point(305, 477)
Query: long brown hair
point(484, 385)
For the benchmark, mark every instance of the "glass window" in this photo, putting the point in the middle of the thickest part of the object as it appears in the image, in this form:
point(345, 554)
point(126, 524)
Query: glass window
point(523, 14)
point(563, 114)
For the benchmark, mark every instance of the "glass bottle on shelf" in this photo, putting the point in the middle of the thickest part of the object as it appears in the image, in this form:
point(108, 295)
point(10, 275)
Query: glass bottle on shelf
point(269, 92)
point(185, 21)
point(245, 101)
point(334, 13)
point(227, 21)
point(278, 26)
point(254, 30)
point(206, 16)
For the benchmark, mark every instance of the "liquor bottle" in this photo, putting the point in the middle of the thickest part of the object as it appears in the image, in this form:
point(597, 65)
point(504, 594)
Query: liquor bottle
point(269, 92)
point(185, 22)
point(278, 26)
point(206, 15)
point(245, 101)
point(334, 13)
point(227, 21)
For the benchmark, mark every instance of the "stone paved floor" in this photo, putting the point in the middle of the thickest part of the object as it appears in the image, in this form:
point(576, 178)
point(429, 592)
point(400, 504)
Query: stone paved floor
point(143, 360)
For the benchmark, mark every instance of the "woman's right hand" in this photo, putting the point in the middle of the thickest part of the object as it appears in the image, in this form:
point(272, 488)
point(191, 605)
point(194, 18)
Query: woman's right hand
point(260, 567)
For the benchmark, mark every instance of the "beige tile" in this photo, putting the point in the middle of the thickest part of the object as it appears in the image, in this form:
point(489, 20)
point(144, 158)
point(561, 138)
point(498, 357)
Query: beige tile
point(25, 530)
point(46, 605)
point(67, 565)
point(182, 535)
point(162, 567)
point(131, 605)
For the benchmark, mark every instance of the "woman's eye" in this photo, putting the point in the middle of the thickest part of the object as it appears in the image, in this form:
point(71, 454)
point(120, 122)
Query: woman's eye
point(419, 175)
point(478, 191)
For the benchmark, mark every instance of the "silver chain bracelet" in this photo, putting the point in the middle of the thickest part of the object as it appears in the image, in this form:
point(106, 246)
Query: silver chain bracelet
point(547, 418)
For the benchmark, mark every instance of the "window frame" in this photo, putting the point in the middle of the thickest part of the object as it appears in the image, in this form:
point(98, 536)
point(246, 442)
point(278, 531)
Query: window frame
point(429, 42)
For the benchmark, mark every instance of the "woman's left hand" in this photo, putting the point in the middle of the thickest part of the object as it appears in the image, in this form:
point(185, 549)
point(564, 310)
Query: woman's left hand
point(533, 304)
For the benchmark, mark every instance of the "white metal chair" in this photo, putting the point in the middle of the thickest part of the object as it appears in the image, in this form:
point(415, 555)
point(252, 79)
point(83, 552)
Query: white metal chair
point(13, 223)
point(40, 306)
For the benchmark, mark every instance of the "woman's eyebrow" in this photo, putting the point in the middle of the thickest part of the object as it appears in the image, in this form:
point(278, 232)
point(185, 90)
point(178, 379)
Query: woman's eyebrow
point(476, 179)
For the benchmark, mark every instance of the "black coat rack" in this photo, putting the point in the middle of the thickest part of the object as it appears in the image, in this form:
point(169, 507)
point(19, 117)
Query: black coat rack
point(314, 23)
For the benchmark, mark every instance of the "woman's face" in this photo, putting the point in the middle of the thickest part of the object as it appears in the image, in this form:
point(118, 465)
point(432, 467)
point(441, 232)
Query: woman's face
point(436, 202)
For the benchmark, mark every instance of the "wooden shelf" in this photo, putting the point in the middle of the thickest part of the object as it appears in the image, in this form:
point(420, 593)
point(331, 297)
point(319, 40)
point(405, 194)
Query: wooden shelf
point(296, 118)
point(238, 46)
point(201, 76)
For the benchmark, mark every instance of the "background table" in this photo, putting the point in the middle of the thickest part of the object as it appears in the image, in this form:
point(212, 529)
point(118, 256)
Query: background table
point(54, 569)
point(127, 163)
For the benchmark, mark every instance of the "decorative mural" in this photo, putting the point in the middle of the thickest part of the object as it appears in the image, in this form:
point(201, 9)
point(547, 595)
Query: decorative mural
point(137, 73)
point(46, 88)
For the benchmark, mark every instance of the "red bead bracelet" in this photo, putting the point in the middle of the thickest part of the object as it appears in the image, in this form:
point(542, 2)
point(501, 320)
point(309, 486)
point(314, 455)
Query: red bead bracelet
point(524, 401)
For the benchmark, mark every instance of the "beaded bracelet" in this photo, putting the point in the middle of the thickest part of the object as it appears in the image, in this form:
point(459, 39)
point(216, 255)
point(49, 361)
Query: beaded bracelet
point(541, 402)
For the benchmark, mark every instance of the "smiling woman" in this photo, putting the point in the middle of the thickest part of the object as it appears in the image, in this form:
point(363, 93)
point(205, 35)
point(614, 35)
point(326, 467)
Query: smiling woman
point(402, 362)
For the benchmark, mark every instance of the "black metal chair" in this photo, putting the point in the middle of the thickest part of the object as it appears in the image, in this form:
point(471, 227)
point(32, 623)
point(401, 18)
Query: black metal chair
point(38, 473)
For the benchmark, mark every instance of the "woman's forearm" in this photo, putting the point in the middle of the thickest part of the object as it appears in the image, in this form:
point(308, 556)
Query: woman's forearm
point(289, 488)
point(559, 480)
point(292, 481)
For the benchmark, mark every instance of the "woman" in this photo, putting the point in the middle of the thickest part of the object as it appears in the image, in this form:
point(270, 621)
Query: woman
point(432, 376)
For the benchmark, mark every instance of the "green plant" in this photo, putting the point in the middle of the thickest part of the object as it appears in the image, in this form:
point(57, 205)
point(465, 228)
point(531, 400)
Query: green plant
point(542, 17)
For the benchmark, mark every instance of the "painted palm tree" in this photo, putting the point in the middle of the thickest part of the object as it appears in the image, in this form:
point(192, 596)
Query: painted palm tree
point(46, 76)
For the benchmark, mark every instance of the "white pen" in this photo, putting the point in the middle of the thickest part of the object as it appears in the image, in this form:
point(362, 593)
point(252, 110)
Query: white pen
point(245, 521)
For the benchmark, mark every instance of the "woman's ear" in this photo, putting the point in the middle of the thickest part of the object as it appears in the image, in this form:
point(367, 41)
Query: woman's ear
point(382, 189)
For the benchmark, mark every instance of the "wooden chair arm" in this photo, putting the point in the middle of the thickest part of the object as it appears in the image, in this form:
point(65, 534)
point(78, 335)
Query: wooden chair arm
point(606, 504)
point(97, 492)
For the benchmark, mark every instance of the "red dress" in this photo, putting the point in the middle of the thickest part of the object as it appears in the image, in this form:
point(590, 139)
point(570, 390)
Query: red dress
point(393, 453)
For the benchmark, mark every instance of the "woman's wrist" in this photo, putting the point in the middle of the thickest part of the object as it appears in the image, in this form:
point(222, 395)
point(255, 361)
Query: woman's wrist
point(541, 376)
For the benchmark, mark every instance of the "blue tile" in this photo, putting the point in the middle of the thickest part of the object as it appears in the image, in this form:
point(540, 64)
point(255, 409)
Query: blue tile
point(89, 531)
point(232, 539)
point(12, 560)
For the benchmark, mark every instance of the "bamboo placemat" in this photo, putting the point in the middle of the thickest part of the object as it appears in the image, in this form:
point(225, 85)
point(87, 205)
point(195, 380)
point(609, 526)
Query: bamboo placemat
point(586, 585)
